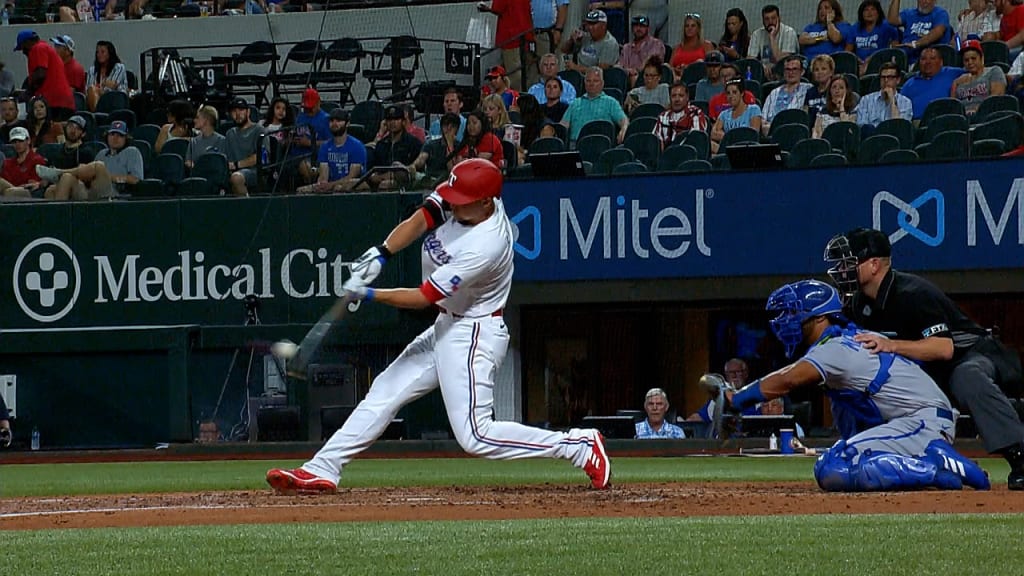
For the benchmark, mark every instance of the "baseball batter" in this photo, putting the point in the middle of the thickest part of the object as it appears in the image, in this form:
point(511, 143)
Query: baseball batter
point(897, 425)
point(467, 266)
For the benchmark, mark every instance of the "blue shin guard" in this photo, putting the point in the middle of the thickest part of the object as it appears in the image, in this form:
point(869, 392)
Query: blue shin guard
point(836, 471)
point(949, 461)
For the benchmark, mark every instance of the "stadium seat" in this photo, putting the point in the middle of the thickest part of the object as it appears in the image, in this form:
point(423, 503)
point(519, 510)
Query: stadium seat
point(648, 110)
point(844, 137)
point(790, 116)
point(993, 105)
point(806, 150)
point(673, 156)
point(941, 107)
point(615, 93)
point(611, 158)
point(872, 149)
point(646, 148)
point(178, 146)
point(629, 168)
point(699, 140)
point(546, 145)
point(739, 135)
point(368, 114)
point(112, 100)
point(300, 67)
point(830, 159)
point(941, 124)
point(592, 146)
point(642, 125)
point(573, 77)
point(694, 72)
point(869, 83)
point(720, 163)
point(996, 51)
point(615, 77)
point(340, 53)
point(902, 129)
point(50, 151)
point(148, 188)
point(522, 172)
point(901, 156)
point(886, 55)
point(214, 168)
point(846, 63)
point(987, 148)
point(252, 70)
point(80, 103)
point(948, 145)
point(787, 135)
point(170, 169)
point(390, 68)
point(604, 127)
point(197, 186)
point(146, 151)
point(754, 66)
point(1007, 127)
point(511, 154)
point(696, 165)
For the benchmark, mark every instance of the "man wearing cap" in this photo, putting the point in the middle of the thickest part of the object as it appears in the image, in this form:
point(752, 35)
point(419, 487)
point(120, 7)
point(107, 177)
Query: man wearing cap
point(711, 83)
point(207, 140)
point(549, 15)
point(117, 165)
point(594, 105)
point(46, 75)
point(615, 11)
point(548, 67)
point(931, 82)
point(73, 70)
point(593, 46)
point(656, 12)
point(72, 153)
point(452, 104)
point(241, 141)
point(398, 149)
point(922, 26)
point(342, 159)
point(930, 328)
point(513, 20)
point(311, 128)
point(18, 177)
point(498, 83)
point(634, 54)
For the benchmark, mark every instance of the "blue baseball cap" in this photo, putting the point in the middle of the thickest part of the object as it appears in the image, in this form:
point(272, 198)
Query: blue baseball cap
point(25, 36)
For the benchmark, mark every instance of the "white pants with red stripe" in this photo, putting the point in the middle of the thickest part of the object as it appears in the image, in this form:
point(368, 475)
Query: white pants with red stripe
point(461, 355)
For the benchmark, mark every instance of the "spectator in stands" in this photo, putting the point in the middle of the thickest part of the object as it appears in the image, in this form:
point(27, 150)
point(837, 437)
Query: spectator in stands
point(46, 75)
point(311, 128)
point(840, 106)
point(452, 104)
point(554, 103)
point(980, 21)
point(652, 91)
point(872, 33)
point(9, 116)
point(342, 159)
point(497, 116)
point(73, 71)
point(790, 95)
point(656, 12)
point(635, 54)
point(548, 67)
point(480, 142)
point(773, 41)
point(828, 34)
point(1011, 24)
point(71, 153)
point(885, 104)
point(241, 142)
point(18, 177)
point(823, 67)
point(712, 82)
point(279, 118)
point(86, 10)
point(655, 426)
point(531, 117)
point(931, 82)
point(719, 103)
point(681, 117)
point(6, 81)
point(399, 149)
point(614, 10)
point(432, 162)
point(692, 47)
point(736, 375)
point(547, 15)
point(41, 127)
point(207, 140)
point(922, 26)
point(735, 39)
point(978, 82)
point(514, 20)
point(106, 73)
point(498, 84)
point(594, 105)
point(118, 165)
point(410, 126)
point(592, 45)
point(180, 115)
point(739, 114)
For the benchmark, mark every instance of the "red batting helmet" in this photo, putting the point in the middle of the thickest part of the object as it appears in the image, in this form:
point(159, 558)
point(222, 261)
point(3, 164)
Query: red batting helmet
point(471, 180)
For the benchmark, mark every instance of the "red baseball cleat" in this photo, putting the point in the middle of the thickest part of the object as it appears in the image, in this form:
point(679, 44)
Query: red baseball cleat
point(298, 481)
point(598, 467)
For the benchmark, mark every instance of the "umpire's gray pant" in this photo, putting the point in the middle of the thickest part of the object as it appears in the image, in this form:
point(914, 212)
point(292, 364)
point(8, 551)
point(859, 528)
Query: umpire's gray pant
point(973, 384)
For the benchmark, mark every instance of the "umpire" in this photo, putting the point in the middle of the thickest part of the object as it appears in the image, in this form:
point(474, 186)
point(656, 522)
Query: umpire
point(964, 358)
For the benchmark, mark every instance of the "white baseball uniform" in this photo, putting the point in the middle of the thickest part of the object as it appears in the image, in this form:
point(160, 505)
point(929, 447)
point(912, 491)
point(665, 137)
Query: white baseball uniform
point(468, 273)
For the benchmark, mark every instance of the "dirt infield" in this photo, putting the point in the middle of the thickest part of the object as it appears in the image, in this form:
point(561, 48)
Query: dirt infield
point(485, 503)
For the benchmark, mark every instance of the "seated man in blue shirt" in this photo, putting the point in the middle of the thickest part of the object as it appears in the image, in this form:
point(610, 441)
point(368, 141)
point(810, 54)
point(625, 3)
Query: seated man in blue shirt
point(923, 26)
point(932, 81)
point(342, 159)
point(655, 426)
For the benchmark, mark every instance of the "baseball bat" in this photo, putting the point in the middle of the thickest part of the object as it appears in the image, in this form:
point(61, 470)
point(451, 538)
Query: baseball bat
point(311, 342)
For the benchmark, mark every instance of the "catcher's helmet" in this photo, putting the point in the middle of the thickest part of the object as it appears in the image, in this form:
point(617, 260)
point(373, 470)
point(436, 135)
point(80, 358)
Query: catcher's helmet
point(471, 180)
point(797, 303)
point(846, 251)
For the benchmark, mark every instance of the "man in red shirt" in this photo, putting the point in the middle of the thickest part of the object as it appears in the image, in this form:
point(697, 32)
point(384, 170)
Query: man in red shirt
point(46, 75)
point(513, 19)
point(18, 177)
point(1011, 23)
point(73, 70)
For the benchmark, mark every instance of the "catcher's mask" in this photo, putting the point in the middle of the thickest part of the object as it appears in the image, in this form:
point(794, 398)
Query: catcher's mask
point(797, 303)
point(848, 250)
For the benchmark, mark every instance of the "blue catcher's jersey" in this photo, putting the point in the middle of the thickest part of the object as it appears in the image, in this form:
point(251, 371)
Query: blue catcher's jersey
point(895, 385)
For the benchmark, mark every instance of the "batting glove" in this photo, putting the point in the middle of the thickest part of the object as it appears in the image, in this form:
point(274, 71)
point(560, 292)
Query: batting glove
point(358, 293)
point(368, 266)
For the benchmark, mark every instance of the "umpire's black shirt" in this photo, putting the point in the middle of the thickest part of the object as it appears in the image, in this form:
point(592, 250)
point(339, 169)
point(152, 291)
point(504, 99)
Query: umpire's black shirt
point(915, 309)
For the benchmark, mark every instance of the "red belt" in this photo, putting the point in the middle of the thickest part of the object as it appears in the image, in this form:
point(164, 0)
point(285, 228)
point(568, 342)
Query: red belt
point(496, 313)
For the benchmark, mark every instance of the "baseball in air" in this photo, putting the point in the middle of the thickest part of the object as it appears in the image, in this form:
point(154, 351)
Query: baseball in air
point(285, 349)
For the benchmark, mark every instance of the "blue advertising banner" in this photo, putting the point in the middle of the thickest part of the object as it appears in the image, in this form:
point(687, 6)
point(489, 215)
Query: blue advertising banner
point(938, 217)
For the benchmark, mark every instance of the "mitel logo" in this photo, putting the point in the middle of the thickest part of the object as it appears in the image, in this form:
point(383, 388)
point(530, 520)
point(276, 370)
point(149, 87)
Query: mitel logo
point(47, 279)
point(908, 216)
point(528, 218)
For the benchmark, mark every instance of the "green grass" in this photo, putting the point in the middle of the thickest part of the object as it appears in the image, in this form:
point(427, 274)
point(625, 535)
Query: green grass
point(143, 477)
point(820, 545)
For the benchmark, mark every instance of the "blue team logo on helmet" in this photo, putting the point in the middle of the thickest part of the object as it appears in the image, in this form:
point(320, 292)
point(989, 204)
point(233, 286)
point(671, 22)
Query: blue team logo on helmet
point(797, 303)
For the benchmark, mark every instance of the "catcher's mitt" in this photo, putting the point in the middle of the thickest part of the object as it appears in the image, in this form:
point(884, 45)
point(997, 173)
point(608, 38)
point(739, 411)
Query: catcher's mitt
point(715, 383)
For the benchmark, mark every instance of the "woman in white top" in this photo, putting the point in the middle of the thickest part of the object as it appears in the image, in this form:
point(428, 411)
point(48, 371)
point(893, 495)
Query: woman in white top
point(838, 108)
point(106, 73)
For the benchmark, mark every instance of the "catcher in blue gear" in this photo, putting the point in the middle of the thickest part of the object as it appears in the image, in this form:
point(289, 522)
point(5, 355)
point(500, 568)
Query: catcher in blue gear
point(897, 427)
